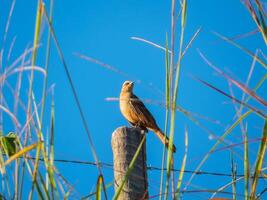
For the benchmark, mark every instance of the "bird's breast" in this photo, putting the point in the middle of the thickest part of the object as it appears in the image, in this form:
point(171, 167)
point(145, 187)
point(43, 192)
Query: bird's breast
point(125, 107)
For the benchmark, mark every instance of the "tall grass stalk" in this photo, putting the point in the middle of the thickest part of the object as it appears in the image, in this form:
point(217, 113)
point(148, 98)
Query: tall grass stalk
point(246, 166)
point(33, 60)
point(174, 96)
point(178, 188)
point(47, 58)
point(234, 172)
point(167, 99)
point(38, 21)
point(51, 151)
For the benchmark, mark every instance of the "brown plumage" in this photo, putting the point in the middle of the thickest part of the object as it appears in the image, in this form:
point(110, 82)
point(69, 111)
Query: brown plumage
point(133, 109)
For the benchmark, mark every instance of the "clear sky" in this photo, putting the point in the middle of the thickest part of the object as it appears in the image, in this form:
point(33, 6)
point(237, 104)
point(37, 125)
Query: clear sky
point(102, 30)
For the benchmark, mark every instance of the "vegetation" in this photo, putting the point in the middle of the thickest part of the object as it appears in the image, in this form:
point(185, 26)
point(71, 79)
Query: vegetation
point(28, 151)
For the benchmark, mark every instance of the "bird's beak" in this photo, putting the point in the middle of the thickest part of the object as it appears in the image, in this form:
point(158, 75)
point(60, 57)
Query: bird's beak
point(132, 83)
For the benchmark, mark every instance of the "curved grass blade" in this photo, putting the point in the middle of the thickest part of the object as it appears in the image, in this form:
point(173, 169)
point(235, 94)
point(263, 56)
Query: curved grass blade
point(151, 43)
point(22, 152)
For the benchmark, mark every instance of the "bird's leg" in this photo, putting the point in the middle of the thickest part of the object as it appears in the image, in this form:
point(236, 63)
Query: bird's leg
point(139, 126)
point(143, 131)
point(132, 124)
point(135, 125)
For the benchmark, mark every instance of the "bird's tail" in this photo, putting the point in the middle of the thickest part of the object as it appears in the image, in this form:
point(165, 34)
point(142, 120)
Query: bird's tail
point(164, 139)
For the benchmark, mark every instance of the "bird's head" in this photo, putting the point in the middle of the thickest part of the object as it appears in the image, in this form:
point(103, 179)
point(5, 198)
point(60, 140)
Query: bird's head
point(127, 86)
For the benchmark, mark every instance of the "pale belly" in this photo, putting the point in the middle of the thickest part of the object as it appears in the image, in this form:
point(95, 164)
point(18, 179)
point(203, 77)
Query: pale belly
point(127, 112)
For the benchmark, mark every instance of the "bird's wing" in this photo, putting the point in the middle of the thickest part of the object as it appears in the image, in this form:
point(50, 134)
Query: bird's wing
point(145, 117)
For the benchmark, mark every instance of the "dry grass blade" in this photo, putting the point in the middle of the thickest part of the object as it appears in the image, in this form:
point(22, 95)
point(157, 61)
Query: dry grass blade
point(6, 30)
point(224, 187)
point(255, 110)
point(11, 115)
point(191, 41)
point(248, 52)
point(236, 83)
point(259, 17)
point(27, 68)
point(151, 43)
point(107, 66)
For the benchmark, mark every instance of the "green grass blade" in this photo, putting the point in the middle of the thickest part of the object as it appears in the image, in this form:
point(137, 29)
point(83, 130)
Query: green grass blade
point(177, 193)
point(2, 163)
point(167, 97)
point(51, 151)
point(246, 166)
point(174, 98)
point(22, 152)
point(184, 9)
point(34, 53)
point(37, 30)
point(234, 172)
point(47, 62)
point(98, 187)
point(259, 161)
point(8, 144)
point(116, 196)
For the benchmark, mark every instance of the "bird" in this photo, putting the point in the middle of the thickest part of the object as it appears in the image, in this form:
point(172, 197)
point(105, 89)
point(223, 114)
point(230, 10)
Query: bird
point(136, 113)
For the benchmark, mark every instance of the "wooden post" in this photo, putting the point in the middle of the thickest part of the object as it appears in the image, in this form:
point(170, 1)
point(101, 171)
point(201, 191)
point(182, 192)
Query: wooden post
point(125, 142)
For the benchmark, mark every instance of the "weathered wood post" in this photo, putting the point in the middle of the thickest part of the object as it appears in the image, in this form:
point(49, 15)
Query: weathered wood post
point(125, 142)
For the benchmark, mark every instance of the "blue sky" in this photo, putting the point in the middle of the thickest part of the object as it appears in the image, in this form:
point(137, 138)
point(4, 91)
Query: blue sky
point(103, 30)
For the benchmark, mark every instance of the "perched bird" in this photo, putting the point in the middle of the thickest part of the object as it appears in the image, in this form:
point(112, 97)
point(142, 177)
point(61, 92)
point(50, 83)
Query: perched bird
point(133, 109)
